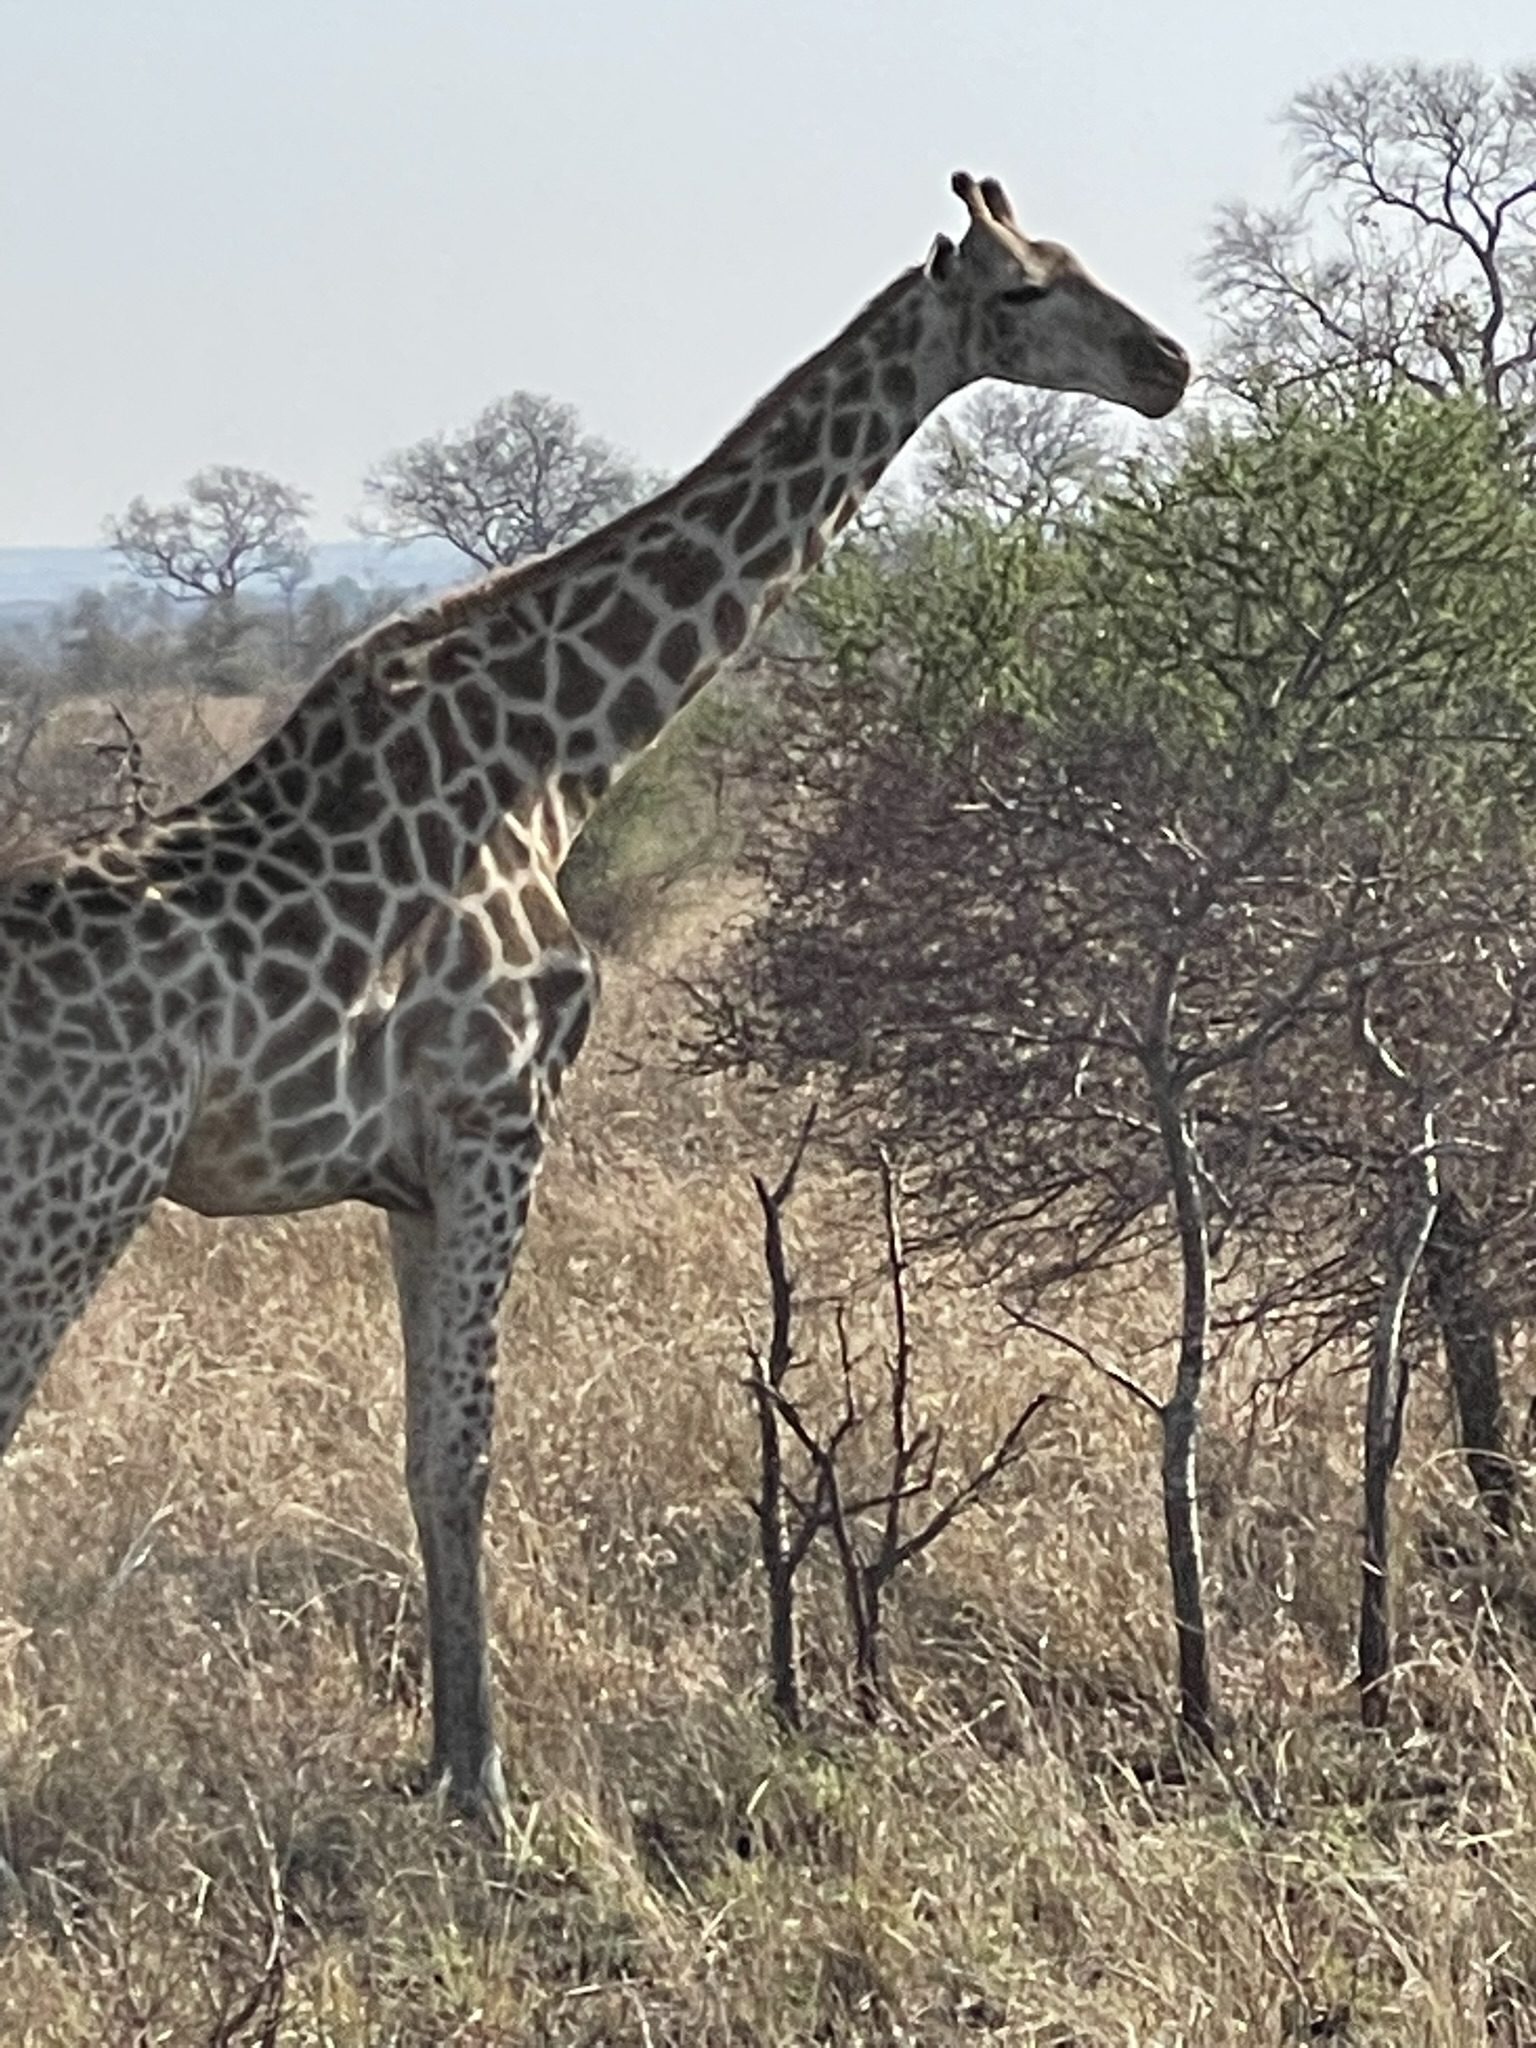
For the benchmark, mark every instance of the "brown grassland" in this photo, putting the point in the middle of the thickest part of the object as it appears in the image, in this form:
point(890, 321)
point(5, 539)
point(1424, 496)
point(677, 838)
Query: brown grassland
point(211, 1679)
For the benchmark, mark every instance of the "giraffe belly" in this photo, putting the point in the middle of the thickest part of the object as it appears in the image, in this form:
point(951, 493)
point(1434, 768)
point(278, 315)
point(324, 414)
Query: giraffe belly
point(211, 1182)
point(255, 1151)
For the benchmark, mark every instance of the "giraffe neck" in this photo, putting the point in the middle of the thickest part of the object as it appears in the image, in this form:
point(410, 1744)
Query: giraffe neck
point(695, 574)
point(492, 721)
point(593, 650)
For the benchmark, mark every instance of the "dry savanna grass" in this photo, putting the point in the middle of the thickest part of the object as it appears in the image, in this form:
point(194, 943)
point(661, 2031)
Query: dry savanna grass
point(211, 1698)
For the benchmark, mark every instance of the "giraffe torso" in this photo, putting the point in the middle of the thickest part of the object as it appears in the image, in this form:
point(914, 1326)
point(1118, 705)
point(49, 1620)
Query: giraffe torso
point(191, 1015)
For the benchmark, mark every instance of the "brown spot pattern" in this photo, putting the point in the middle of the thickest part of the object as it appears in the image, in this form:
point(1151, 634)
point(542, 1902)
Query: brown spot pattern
point(451, 659)
point(549, 928)
point(453, 756)
point(524, 674)
point(719, 510)
point(684, 571)
point(796, 439)
point(439, 847)
point(804, 490)
point(585, 600)
point(845, 435)
point(898, 381)
point(297, 927)
point(877, 433)
point(533, 739)
point(624, 631)
point(580, 688)
point(635, 718)
point(409, 767)
point(776, 560)
point(678, 654)
point(730, 622)
point(760, 520)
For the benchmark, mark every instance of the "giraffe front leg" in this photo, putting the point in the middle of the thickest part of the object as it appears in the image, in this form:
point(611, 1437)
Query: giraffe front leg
point(451, 1271)
point(61, 1231)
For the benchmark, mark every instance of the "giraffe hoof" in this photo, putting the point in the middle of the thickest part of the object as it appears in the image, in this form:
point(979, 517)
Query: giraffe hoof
point(484, 1800)
point(479, 1797)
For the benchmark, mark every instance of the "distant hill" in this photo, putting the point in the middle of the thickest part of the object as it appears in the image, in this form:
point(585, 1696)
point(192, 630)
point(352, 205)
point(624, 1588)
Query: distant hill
point(32, 579)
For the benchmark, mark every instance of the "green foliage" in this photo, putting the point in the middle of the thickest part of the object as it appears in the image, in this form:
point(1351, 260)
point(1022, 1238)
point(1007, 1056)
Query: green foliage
point(947, 613)
point(1324, 596)
point(1308, 595)
point(659, 827)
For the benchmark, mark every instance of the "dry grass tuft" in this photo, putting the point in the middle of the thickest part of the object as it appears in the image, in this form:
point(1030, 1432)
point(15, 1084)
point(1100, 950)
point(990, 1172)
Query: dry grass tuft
point(212, 1690)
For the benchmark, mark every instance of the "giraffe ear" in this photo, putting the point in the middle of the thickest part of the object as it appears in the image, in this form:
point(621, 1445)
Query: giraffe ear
point(941, 259)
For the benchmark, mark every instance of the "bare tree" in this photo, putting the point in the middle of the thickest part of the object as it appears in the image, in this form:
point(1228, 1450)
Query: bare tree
point(1466, 1308)
point(55, 788)
point(1016, 454)
point(786, 1526)
point(1449, 1038)
point(520, 479)
point(1411, 1216)
point(1409, 258)
point(870, 1523)
point(21, 724)
point(1410, 255)
point(911, 1468)
point(234, 527)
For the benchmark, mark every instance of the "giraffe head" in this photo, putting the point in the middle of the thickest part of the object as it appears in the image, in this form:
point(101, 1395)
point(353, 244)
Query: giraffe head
point(1028, 312)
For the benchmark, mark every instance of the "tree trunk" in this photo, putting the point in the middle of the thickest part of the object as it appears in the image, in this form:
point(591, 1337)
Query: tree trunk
point(1386, 1397)
point(767, 1380)
point(1465, 1316)
point(1181, 1415)
point(868, 1683)
point(778, 1559)
point(1375, 1641)
point(1181, 1519)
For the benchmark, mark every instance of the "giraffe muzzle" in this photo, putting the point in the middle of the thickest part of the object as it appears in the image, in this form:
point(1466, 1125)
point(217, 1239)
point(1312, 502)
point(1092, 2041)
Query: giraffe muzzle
point(1159, 371)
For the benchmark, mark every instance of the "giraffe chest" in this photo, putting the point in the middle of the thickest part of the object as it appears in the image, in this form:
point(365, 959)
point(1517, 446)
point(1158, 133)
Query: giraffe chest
point(475, 1029)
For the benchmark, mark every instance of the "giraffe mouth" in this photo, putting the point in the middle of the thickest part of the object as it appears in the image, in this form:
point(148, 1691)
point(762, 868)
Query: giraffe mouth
point(1158, 372)
point(1153, 400)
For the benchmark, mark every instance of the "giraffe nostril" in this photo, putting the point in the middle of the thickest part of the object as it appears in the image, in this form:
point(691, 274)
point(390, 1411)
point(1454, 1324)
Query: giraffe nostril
point(1158, 355)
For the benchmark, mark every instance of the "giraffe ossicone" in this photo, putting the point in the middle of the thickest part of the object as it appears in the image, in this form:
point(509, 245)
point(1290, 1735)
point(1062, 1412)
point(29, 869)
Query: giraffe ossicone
point(345, 973)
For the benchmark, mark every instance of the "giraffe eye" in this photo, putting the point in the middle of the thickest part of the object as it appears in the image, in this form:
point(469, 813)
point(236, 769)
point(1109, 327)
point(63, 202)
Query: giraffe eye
point(1023, 294)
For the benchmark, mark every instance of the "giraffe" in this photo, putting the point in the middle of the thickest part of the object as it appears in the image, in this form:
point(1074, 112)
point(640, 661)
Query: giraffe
point(345, 972)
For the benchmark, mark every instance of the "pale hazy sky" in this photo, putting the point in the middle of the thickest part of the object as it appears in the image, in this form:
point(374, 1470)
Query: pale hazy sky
point(298, 233)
